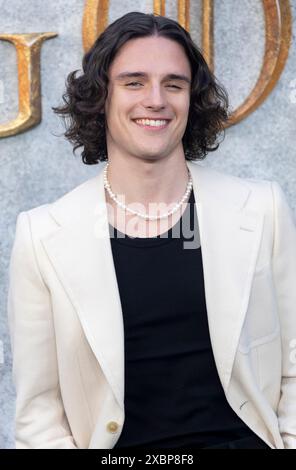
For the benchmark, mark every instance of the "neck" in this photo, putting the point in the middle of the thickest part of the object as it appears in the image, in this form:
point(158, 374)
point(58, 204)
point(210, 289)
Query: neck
point(142, 181)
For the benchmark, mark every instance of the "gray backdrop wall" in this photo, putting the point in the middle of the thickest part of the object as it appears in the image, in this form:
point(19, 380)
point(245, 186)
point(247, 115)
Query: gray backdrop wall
point(36, 167)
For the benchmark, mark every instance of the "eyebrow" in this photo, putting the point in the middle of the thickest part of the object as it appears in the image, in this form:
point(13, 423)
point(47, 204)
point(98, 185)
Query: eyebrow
point(170, 76)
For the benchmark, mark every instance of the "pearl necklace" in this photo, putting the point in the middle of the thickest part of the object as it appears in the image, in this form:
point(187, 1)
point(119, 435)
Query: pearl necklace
point(140, 214)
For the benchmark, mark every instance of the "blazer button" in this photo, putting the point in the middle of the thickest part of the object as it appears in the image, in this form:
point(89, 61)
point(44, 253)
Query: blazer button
point(112, 426)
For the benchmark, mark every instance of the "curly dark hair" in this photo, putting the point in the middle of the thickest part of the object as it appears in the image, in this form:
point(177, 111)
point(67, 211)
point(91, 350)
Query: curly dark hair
point(84, 99)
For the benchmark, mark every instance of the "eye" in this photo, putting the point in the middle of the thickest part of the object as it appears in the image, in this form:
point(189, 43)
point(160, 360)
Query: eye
point(133, 84)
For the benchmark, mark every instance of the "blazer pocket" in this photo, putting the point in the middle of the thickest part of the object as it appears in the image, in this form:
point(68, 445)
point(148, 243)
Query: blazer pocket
point(261, 324)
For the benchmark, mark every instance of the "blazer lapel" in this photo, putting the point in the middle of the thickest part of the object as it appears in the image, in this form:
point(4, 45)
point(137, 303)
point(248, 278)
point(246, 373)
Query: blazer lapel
point(80, 251)
point(230, 238)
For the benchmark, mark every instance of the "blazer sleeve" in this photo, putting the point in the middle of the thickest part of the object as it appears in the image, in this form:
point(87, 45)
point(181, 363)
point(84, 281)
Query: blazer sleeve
point(40, 420)
point(284, 271)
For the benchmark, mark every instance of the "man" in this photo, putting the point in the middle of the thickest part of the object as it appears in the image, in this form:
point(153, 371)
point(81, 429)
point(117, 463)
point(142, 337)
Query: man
point(126, 332)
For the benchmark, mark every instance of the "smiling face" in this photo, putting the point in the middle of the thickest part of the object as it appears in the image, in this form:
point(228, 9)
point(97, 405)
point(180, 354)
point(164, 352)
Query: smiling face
point(148, 99)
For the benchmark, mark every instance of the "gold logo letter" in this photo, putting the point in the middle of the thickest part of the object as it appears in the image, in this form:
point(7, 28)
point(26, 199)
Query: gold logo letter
point(28, 64)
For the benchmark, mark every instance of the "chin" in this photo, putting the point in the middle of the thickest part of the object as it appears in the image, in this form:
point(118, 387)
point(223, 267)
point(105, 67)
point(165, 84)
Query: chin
point(152, 154)
point(150, 157)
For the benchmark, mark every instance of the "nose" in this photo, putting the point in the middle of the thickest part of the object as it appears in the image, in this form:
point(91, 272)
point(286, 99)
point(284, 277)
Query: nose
point(155, 97)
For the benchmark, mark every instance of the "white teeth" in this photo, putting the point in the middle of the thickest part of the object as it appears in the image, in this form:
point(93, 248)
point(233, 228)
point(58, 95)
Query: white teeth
point(151, 122)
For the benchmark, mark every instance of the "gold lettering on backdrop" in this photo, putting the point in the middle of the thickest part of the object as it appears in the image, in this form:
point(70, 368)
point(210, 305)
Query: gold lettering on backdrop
point(28, 48)
point(183, 11)
point(159, 7)
point(95, 20)
point(207, 36)
point(278, 35)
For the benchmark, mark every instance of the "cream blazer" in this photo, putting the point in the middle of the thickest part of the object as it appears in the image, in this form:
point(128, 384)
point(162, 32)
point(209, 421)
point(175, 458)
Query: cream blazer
point(66, 320)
